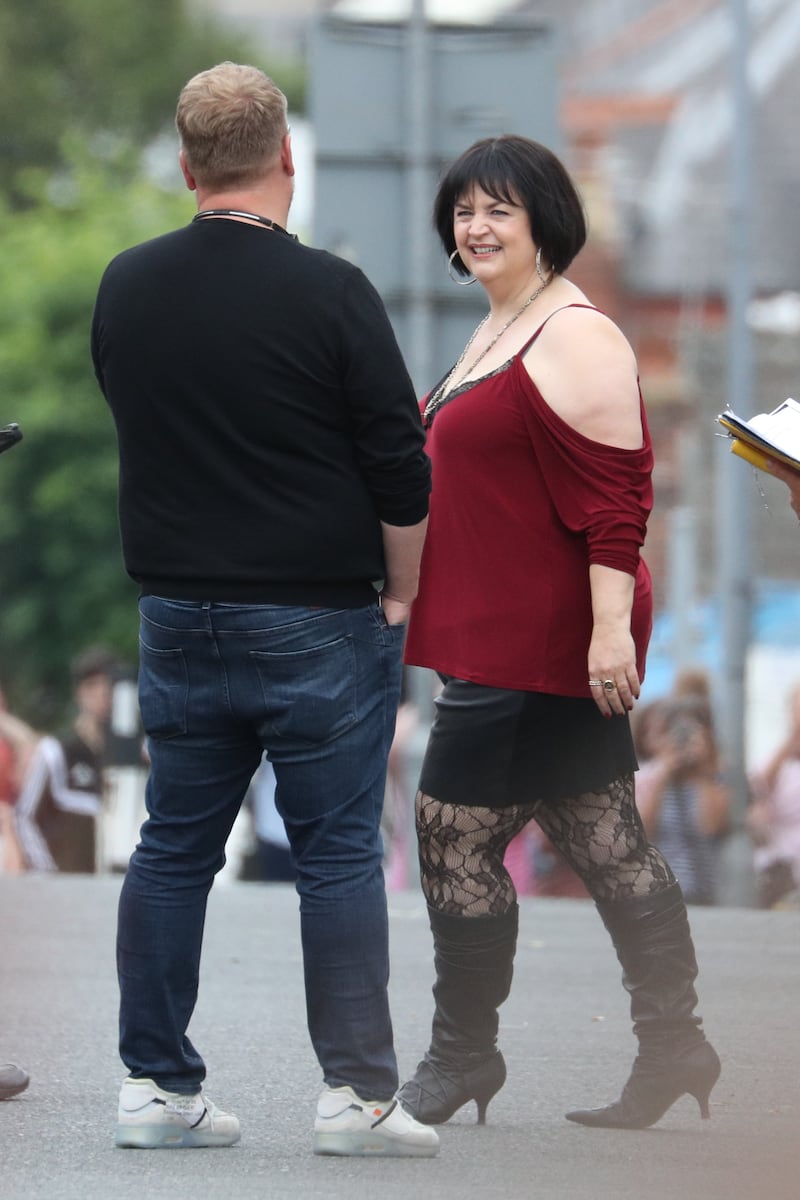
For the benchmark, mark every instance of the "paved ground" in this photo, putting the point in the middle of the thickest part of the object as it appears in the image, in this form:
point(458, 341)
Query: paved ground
point(564, 1031)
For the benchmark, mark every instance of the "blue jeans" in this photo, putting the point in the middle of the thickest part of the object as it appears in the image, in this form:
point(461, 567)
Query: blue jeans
point(318, 690)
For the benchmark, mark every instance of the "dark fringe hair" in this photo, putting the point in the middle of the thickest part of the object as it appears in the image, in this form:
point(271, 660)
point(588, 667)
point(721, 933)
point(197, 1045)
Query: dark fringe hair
point(516, 170)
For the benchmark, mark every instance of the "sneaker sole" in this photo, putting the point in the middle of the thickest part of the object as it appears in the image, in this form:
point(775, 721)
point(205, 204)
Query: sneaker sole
point(157, 1137)
point(369, 1145)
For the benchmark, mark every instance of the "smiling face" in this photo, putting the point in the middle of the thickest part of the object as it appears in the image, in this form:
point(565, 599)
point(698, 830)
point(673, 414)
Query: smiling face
point(521, 174)
point(493, 238)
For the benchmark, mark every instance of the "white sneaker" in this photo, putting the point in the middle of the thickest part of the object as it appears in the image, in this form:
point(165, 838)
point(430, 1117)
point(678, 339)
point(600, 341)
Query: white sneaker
point(346, 1124)
point(150, 1118)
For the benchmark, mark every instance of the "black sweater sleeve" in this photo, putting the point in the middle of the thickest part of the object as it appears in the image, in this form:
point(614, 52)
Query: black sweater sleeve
point(390, 442)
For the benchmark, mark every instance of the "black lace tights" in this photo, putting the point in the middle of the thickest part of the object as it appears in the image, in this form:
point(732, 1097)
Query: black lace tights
point(600, 834)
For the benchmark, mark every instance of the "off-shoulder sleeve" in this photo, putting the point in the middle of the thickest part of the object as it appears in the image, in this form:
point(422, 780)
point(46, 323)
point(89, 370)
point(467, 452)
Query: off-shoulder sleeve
point(603, 492)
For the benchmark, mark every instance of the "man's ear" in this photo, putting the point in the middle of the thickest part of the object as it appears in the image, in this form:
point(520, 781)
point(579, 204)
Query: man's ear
point(287, 160)
point(187, 174)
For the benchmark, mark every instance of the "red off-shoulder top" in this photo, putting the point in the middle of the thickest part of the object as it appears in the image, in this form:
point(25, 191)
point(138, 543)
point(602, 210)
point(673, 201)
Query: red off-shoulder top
point(522, 504)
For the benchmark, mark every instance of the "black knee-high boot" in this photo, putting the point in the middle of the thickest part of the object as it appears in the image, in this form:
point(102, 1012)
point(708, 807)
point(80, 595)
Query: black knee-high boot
point(474, 962)
point(654, 946)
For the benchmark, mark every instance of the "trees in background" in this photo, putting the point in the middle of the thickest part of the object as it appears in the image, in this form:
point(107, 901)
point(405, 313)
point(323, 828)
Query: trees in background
point(62, 582)
point(85, 67)
point(85, 87)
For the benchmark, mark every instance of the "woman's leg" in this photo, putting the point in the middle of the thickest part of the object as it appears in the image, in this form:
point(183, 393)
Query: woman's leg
point(461, 852)
point(473, 913)
point(602, 837)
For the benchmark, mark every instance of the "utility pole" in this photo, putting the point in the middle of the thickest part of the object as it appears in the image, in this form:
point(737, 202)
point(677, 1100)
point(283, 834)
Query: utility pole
point(419, 115)
point(682, 556)
point(734, 507)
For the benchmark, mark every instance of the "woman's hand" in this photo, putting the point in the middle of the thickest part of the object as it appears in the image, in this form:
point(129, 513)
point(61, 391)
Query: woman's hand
point(790, 477)
point(612, 657)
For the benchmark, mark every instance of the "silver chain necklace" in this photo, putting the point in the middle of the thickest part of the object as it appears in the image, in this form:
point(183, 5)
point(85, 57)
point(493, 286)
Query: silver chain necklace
point(448, 384)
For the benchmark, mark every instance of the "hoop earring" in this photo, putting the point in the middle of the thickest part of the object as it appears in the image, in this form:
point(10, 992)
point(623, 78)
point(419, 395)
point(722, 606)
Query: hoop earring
point(460, 282)
point(544, 278)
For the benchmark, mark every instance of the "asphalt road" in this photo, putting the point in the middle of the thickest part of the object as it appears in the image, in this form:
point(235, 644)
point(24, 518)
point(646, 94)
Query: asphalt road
point(564, 1031)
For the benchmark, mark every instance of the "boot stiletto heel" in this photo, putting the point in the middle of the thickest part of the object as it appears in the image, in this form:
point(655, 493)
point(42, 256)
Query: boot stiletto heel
point(438, 1089)
point(702, 1092)
point(654, 1085)
point(474, 958)
point(654, 946)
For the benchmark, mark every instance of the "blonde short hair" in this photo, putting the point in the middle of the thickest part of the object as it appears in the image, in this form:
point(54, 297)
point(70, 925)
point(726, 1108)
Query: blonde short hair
point(231, 120)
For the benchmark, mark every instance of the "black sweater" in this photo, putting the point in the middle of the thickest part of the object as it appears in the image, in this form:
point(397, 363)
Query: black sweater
point(266, 421)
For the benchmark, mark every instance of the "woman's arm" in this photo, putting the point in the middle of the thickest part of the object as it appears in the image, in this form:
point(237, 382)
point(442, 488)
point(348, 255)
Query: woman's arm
point(585, 369)
point(612, 653)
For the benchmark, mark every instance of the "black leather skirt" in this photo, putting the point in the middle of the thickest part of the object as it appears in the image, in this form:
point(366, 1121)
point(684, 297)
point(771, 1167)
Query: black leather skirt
point(492, 747)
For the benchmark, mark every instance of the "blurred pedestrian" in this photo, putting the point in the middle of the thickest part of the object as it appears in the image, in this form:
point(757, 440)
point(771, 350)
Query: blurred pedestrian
point(535, 607)
point(647, 727)
point(693, 685)
point(273, 503)
point(61, 795)
point(274, 852)
point(684, 799)
point(773, 817)
point(17, 741)
point(397, 821)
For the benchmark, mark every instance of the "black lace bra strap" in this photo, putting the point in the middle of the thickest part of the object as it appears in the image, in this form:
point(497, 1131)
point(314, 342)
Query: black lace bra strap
point(532, 339)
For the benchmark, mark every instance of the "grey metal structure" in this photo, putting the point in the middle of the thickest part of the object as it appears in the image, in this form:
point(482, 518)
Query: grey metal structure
point(390, 105)
point(734, 505)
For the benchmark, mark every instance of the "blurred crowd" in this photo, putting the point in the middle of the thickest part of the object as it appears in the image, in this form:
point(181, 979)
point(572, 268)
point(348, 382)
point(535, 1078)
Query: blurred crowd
point(57, 789)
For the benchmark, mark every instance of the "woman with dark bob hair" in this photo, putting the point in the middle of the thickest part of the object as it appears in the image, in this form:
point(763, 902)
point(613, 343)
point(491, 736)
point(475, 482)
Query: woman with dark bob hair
point(535, 610)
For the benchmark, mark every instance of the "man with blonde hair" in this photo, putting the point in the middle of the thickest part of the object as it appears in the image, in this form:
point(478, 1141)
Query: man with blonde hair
point(273, 504)
point(231, 121)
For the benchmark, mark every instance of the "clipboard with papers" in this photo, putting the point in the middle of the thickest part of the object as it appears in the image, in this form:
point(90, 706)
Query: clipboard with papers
point(768, 435)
